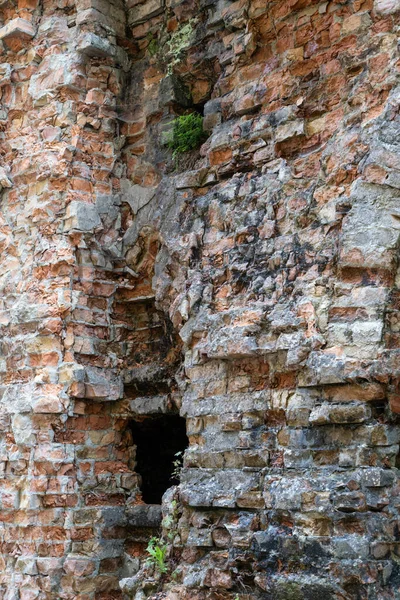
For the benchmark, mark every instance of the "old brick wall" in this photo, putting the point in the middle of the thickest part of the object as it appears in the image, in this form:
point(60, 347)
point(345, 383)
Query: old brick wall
point(252, 285)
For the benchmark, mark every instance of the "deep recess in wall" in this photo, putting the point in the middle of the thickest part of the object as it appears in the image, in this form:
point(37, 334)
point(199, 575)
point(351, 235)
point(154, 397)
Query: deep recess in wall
point(158, 439)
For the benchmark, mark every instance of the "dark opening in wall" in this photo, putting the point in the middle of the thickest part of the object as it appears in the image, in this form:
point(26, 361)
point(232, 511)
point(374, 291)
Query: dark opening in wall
point(158, 439)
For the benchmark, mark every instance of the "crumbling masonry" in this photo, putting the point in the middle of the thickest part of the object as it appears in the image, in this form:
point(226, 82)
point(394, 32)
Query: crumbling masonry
point(250, 287)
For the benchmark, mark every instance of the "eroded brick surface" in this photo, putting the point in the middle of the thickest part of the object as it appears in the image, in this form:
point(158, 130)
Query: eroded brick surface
point(252, 286)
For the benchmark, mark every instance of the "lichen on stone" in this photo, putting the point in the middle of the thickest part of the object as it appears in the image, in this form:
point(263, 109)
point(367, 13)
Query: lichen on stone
point(179, 41)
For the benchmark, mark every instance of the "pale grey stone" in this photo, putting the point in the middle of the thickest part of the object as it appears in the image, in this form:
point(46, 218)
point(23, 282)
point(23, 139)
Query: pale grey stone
point(149, 405)
point(22, 429)
point(103, 384)
point(387, 7)
point(208, 487)
point(290, 130)
point(199, 538)
point(17, 27)
point(27, 566)
point(5, 74)
point(135, 195)
point(81, 216)
point(17, 398)
point(351, 547)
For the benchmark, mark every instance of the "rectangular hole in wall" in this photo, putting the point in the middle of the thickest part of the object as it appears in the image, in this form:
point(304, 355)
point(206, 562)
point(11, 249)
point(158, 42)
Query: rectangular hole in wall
point(158, 439)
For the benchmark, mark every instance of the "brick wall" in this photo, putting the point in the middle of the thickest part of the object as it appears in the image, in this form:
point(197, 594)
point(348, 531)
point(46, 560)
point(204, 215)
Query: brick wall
point(251, 285)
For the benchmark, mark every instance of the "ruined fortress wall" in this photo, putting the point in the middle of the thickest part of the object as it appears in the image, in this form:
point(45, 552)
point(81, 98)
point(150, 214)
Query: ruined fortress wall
point(252, 285)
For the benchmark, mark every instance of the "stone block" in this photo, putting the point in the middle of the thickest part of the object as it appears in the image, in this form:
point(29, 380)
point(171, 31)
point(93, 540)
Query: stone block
point(103, 384)
point(218, 578)
point(5, 74)
point(361, 297)
point(18, 398)
point(81, 216)
point(23, 430)
point(351, 547)
point(144, 516)
point(320, 415)
point(195, 179)
point(55, 71)
point(27, 566)
point(136, 195)
point(5, 182)
point(286, 493)
point(79, 566)
point(47, 405)
point(149, 405)
point(17, 29)
point(174, 91)
point(297, 459)
point(251, 500)
point(94, 45)
point(90, 44)
point(232, 342)
point(350, 502)
point(370, 232)
point(381, 550)
point(222, 487)
point(349, 413)
point(394, 403)
point(367, 333)
point(200, 538)
point(290, 130)
point(91, 15)
point(355, 22)
point(49, 565)
point(113, 10)
point(375, 477)
point(144, 12)
point(387, 7)
point(212, 114)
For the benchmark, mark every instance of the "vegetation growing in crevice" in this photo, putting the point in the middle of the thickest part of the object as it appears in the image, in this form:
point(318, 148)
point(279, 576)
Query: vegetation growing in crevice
point(153, 45)
point(187, 133)
point(157, 550)
point(177, 465)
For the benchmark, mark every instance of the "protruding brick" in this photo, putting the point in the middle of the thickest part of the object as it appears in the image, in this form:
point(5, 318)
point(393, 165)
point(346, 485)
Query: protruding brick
point(17, 31)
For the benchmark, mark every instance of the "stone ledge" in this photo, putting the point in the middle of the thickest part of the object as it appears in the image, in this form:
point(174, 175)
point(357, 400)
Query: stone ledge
point(92, 45)
point(92, 383)
point(387, 7)
point(144, 12)
point(17, 28)
point(144, 515)
point(91, 15)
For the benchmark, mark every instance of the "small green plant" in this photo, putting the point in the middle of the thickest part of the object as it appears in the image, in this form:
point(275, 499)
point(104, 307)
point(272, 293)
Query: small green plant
point(187, 133)
point(178, 465)
point(153, 46)
point(157, 550)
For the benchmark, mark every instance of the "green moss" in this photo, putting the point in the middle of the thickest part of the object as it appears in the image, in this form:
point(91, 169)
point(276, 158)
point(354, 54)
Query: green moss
point(187, 133)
